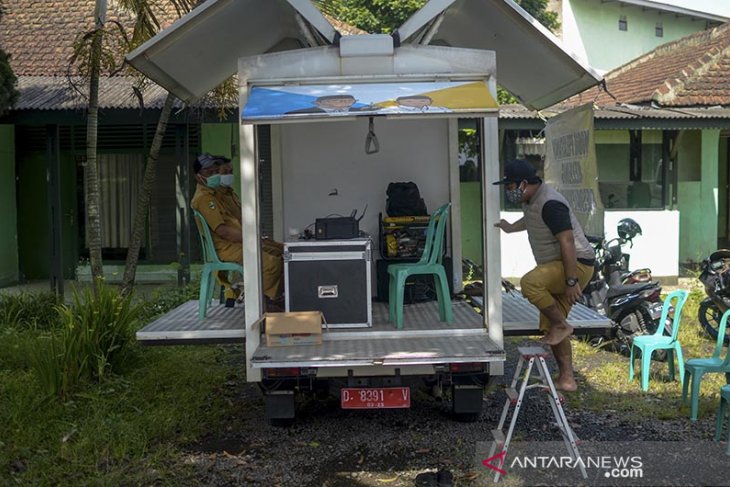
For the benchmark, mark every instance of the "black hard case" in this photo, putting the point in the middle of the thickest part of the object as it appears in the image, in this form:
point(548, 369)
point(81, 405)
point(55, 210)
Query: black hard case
point(332, 276)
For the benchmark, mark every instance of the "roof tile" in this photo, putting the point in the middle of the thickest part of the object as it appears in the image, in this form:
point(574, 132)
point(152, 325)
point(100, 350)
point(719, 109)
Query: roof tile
point(692, 71)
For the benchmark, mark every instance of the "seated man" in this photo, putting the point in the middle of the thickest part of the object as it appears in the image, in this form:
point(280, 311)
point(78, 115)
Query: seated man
point(215, 199)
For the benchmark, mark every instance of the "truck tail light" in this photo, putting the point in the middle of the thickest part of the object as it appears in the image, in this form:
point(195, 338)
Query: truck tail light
point(283, 372)
point(467, 367)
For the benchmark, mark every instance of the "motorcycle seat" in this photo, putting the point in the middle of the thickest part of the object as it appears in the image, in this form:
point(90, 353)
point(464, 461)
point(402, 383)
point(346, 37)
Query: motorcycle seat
point(620, 289)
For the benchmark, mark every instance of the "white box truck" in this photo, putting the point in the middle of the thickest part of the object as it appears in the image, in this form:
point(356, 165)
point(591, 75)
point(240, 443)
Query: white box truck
point(341, 129)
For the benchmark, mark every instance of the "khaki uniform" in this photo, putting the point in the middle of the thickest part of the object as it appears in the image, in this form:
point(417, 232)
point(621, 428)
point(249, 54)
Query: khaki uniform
point(221, 206)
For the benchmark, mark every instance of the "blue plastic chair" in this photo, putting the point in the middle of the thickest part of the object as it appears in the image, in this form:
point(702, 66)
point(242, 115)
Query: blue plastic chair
point(211, 265)
point(695, 368)
point(430, 263)
point(647, 344)
point(722, 411)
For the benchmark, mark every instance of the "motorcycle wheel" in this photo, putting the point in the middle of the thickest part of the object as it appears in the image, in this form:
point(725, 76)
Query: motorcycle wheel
point(709, 315)
point(641, 324)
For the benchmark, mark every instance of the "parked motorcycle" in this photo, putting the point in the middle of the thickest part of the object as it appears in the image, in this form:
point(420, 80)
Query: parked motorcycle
point(629, 298)
point(715, 277)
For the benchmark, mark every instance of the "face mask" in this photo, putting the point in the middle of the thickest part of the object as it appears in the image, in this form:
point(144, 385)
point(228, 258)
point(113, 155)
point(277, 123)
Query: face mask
point(515, 196)
point(213, 181)
point(227, 180)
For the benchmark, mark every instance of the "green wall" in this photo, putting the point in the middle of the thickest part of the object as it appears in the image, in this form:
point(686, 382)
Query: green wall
point(598, 28)
point(9, 234)
point(471, 221)
point(723, 190)
point(222, 139)
point(33, 225)
point(698, 194)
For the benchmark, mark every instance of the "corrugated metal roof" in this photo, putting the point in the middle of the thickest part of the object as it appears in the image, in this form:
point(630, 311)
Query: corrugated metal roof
point(519, 112)
point(59, 93)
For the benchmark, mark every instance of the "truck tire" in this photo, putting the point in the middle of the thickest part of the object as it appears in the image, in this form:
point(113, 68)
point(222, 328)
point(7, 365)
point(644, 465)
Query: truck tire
point(467, 402)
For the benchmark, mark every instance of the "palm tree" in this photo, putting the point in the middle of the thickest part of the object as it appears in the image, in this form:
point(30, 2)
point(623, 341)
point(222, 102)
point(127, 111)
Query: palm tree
point(147, 24)
point(91, 172)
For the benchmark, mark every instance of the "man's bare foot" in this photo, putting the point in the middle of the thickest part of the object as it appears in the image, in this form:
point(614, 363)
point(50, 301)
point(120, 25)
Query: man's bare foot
point(557, 334)
point(566, 385)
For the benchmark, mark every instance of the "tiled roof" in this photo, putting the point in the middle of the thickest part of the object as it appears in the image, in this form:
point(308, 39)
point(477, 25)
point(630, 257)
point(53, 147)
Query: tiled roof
point(626, 113)
point(692, 71)
point(39, 37)
point(39, 34)
point(343, 28)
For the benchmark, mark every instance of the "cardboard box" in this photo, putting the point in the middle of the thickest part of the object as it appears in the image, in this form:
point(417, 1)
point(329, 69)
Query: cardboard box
point(294, 328)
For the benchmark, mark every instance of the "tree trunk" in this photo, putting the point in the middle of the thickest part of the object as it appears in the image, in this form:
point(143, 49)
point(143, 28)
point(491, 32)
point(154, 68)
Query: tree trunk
point(143, 203)
point(91, 173)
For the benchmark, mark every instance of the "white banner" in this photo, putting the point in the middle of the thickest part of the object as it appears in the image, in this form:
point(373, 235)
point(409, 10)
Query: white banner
point(571, 167)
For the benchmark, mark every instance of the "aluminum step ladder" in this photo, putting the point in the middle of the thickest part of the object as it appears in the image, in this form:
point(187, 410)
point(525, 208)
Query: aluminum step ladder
point(535, 358)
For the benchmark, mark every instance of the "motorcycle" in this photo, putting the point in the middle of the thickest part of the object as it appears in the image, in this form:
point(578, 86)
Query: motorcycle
point(629, 298)
point(715, 277)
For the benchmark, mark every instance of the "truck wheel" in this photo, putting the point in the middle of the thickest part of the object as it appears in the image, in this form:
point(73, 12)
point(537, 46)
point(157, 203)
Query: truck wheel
point(467, 402)
point(280, 407)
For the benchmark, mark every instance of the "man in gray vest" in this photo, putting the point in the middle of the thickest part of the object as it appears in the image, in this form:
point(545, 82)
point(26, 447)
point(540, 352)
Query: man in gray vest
point(563, 254)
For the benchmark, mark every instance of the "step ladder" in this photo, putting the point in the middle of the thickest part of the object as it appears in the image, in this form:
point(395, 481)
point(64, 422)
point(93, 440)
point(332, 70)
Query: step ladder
point(534, 356)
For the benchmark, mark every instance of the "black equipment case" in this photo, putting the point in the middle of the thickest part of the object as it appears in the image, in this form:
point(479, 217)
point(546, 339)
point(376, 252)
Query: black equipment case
point(331, 276)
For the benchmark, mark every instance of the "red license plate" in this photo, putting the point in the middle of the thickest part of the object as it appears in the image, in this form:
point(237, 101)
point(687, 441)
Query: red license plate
point(375, 398)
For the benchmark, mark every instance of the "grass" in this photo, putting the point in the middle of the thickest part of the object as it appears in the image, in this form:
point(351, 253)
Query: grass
point(124, 431)
point(127, 429)
point(604, 382)
point(134, 427)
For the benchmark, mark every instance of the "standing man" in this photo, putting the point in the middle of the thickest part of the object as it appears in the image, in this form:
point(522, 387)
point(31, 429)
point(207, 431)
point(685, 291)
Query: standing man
point(563, 254)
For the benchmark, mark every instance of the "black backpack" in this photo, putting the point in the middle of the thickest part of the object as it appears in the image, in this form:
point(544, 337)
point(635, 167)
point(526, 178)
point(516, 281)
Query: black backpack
point(404, 199)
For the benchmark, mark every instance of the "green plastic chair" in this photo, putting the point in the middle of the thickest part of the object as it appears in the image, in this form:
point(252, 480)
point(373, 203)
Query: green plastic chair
point(211, 265)
point(647, 344)
point(430, 263)
point(722, 411)
point(695, 368)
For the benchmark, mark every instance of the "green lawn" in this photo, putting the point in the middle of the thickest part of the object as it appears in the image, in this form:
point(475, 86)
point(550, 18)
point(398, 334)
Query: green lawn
point(604, 382)
point(124, 431)
point(131, 429)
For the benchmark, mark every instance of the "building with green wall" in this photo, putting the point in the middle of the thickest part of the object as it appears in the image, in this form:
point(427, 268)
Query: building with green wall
point(610, 34)
point(8, 215)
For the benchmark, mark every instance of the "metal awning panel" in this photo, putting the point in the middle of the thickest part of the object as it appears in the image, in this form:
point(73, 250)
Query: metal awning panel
point(532, 63)
point(201, 50)
point(270, 104)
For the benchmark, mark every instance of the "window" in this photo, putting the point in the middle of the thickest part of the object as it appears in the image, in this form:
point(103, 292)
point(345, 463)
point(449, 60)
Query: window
point(469, 151)
point(623, 24)
point(630, 169)
point(659, 30)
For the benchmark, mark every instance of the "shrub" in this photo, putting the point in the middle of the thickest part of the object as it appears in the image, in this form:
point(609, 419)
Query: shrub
point(93, 341)
point(30, 310)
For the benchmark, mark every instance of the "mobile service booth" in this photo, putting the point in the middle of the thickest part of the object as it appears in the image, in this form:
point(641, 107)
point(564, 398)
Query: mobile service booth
point(332, 159)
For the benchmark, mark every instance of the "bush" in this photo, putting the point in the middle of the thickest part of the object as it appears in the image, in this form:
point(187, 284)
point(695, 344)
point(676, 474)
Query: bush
point(93, 341)
point(30, 310)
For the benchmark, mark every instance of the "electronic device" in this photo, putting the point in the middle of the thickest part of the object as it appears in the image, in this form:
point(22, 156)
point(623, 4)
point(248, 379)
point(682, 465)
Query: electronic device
point(340, 227)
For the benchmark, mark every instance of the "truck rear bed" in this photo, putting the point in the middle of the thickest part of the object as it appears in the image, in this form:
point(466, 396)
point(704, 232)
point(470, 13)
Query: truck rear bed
point(181, 326)
point(423, 340)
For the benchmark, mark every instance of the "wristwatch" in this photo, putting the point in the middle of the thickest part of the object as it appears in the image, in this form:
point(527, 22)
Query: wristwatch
point(571, 281)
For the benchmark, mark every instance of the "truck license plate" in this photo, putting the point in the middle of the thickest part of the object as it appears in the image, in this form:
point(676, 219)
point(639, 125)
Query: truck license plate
point(375, 398)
